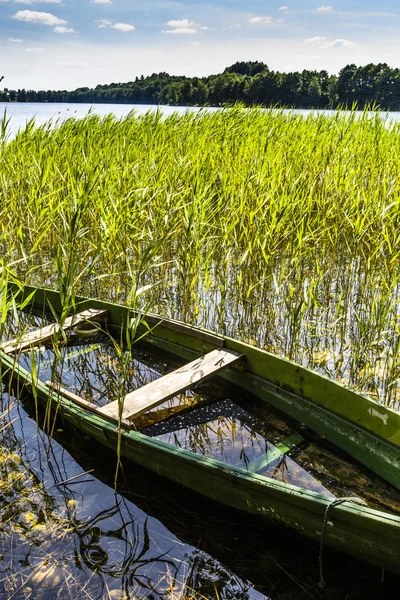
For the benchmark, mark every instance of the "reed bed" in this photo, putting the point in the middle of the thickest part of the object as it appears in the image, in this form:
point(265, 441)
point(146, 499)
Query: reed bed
point(265, 225)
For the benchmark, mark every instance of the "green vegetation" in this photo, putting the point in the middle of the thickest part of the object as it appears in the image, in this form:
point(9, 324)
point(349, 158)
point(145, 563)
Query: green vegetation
point(247, 82)
point(276, 229)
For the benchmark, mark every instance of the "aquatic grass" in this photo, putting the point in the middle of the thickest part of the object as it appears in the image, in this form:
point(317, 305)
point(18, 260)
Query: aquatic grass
point(275, 228)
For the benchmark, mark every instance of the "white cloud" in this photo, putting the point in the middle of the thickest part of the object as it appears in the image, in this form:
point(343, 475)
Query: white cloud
point(64, 30)
point(73, 65)
point(340, 43)
point(38, 50)
point(283, 8)
point(184, 27)
point(181, 23)
point(318, 39)
point(102, 23)
point(15, 40)
point(323, 42)
point(42, 18)
point(181, 31)
point(101, 1)
point(262, 20)
point(123, 27)
point(324, 9)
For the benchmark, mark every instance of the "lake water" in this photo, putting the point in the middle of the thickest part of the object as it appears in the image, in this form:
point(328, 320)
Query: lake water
point(22, 112)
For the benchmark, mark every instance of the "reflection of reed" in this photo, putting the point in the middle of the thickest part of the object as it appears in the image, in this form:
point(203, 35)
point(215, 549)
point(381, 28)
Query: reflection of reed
point(224, 438)
point(137, 565)
point(210, 579)
point(95, 373)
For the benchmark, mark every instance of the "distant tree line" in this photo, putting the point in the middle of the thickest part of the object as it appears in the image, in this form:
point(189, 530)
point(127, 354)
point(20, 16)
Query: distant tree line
point(247, 82)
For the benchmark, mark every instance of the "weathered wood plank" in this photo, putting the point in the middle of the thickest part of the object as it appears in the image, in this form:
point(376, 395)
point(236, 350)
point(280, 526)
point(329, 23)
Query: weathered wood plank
point(140, 401)
point(46, 333)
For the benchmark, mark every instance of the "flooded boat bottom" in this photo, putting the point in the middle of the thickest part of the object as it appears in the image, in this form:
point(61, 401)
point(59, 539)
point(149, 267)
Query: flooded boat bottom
point(214, 420)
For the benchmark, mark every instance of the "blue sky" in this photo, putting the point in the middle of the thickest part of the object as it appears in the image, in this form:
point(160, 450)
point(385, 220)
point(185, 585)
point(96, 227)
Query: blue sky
point(63, 44)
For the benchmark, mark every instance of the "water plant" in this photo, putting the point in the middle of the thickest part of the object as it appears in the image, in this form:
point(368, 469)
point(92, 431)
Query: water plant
point(278, 229)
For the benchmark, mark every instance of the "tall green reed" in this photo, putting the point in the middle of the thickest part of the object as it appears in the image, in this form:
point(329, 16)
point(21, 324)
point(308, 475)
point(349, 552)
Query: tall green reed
point(279, 229)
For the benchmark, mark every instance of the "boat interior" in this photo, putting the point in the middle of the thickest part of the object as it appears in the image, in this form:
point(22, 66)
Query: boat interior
point(208, 416)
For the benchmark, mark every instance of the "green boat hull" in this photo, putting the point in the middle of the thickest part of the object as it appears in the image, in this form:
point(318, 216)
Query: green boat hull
point(298, 392)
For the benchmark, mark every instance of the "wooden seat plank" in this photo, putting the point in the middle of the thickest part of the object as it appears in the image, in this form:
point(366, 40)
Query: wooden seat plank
point(44, 334)
point(141, 400)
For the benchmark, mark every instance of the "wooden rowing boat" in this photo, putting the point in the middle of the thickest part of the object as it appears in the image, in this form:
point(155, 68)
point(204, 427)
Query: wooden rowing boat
point(308, 410)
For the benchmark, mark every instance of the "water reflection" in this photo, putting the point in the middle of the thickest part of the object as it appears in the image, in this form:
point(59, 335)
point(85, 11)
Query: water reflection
point(74, 537)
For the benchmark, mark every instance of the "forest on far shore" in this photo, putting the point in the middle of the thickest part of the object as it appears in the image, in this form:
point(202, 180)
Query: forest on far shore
point(251, 83)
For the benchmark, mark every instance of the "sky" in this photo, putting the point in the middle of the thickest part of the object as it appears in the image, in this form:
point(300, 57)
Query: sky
point(65, 44)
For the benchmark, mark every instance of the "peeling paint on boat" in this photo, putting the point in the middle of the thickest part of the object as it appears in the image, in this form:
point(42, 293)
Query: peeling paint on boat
point(374, 413)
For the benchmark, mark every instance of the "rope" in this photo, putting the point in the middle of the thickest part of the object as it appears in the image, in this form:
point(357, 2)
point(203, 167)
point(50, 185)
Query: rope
point(335, 502)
